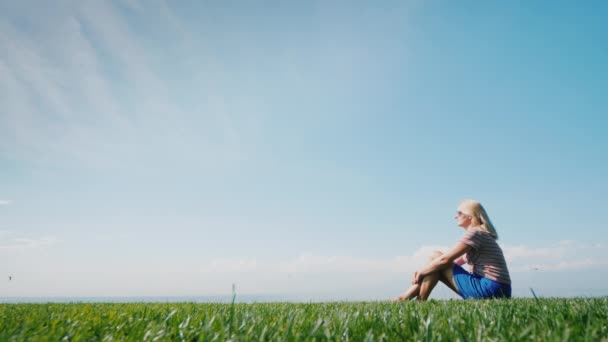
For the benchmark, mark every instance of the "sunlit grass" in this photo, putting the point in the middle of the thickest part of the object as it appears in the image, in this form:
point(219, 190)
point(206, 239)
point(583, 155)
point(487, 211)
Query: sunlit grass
point(516, 319)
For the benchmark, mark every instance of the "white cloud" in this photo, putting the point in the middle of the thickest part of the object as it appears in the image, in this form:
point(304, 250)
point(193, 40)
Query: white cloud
point(5, 202)
point(19, 243)
point(523, 252)
point(305, 277)
point(521, 258)
point(314, 264)
point(563, 255)
point(377, 278)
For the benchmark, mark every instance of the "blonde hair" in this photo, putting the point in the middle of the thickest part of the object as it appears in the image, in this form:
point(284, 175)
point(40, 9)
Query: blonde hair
point(480, 216)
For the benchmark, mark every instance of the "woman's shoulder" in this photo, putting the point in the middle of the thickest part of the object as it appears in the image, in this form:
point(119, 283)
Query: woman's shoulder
point(478, 233)
point(474, 231)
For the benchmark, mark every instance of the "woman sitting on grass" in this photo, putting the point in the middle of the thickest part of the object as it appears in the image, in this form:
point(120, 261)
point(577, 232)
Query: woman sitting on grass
point(489, 277)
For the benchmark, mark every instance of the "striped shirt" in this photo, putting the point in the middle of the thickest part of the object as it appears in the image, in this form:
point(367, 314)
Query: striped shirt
point(485, 256)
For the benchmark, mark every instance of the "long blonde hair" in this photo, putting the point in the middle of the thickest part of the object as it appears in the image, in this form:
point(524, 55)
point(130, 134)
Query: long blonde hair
point(480, 216)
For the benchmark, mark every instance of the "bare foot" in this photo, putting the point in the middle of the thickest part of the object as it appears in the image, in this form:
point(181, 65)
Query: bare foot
point(401, 298)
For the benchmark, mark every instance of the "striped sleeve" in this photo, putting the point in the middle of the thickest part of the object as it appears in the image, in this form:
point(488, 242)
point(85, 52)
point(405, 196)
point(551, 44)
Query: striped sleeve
point(472, 238)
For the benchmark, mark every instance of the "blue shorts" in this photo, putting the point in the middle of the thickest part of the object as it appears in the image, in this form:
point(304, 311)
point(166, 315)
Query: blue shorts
point(471, 285)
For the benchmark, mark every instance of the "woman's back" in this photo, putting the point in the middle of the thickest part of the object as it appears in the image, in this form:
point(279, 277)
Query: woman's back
point(486, 256)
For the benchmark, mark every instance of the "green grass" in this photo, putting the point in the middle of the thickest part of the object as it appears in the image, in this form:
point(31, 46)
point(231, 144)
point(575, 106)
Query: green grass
point(516, 319)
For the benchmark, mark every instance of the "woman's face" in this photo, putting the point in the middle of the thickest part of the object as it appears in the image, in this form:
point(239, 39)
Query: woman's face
point(462, 220)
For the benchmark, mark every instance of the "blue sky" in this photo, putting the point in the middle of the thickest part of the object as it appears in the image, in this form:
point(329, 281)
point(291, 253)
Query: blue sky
point(312, 149)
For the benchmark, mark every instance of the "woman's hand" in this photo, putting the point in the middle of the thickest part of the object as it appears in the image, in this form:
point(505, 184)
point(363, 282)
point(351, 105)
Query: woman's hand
point(417, 279)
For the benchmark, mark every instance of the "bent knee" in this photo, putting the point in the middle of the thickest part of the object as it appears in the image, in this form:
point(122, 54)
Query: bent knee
point(435, 255)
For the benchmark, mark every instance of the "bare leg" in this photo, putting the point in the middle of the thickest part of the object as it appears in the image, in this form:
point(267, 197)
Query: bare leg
point(428, 284)
point(409, 294)
point(415, 290)
point(446, 276)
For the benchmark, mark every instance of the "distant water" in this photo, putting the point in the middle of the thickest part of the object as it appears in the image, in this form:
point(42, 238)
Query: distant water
point(270, 298)
point(149, 299)
point(245, 298)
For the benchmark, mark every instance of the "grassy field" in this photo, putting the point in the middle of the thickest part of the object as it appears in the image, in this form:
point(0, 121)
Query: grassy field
point(516, 319)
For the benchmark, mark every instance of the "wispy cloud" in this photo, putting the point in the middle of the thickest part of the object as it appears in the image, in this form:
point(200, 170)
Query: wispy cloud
point(81, 85)
point(371, 277)
point(5, 202)
point(559, 256)
point(18, 243)
point(562, 255)
point(308, 263)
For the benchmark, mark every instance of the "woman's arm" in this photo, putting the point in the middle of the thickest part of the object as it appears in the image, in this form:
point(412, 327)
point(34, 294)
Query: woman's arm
point(460, 260)
point(441, 261)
